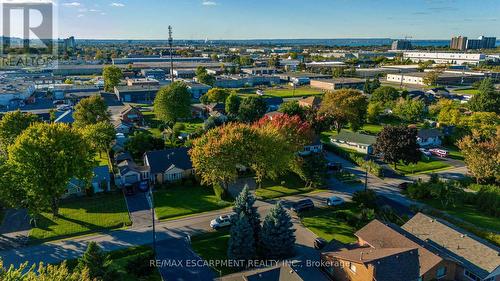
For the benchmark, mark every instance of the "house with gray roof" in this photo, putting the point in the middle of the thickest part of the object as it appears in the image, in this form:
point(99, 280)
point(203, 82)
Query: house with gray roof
point(356, 141)
point(168, 165)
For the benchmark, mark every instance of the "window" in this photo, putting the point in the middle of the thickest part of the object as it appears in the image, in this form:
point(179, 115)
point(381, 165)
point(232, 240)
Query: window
point(352, 267)
point(471, 276)
point(441, 272)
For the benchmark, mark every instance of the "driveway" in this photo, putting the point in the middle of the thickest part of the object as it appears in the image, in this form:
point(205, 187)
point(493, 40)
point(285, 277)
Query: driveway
point(15, 229)
point(139, 210)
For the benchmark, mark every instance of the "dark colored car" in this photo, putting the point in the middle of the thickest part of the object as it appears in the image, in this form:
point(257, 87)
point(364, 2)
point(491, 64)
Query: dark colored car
point(404, 185)
point(303, 205)
point(332, 166)
point(320, 243)
point(129, 190)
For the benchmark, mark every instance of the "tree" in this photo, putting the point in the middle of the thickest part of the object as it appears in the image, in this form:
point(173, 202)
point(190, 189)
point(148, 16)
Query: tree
point(12, 125)
point(141, 142)
point(409, 110)
point(482, 156)
point(97, 262)
point(90, 111)
point(44, 158)
point(277, 235)
point(48, 272)
point(385, 95)
point(202, 76)
point(173, 102)
point(274, 61)
point(100, 135)
point(215, 95)
point(312, 169)
point(241, 245)
point(371, 85)
point(398, 144)
point(251, 109)
point(345, 106)
point(292, 108)
point(244, 204)
point(430, 78)
point(374, 110)
point(487, 99)
point(233, 102)
point(112, 76)
point(221, 152)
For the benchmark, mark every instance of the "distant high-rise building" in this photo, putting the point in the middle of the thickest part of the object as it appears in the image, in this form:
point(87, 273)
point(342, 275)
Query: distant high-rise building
point(401, 45)
point(459, 43)
point(473, 44)
point(488, 42)
point(70, 43)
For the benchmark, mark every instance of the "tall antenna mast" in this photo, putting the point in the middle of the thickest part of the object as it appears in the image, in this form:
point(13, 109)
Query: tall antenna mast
point(170, 43)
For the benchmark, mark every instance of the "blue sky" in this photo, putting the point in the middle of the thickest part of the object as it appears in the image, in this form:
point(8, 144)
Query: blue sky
point(260, 19)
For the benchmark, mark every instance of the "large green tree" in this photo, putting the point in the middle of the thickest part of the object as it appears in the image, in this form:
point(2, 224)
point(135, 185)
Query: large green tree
point(112, 76)
point(100, 135)
point(97, 262)
point(398, 144)
point(292, 108)
point(482, 156)
point(244, 204)
point(203, 77)
point(251, 109)
point(487, 100)
point(233, 102)
point(90, 111)
point(345, 106)
point(141, 142)
point(12, 125)
point(241, 245)
point(215, 95)
point(43, 159)
point(409, 110)
point(277, 238)
point(173, 102)
point(385, 95)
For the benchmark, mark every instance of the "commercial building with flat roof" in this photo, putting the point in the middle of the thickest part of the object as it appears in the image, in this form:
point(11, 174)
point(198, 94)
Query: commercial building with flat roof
point(442, 57)
point(338, 83)
point(445, 78)
point(458, 43)
point(15, 90)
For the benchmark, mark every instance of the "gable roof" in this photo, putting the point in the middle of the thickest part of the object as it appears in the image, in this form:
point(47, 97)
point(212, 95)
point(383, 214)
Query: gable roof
point(354, 137)
point(66, 117)
point(162, 160)
point(129, 108)
point(310, 101)
point(379, 235)
point(429, 133)
point(477, 255)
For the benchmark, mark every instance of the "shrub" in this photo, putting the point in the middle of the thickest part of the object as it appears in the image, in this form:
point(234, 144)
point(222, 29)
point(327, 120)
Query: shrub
point(366, 198)
point(139, 264)
point(488, 200)
point(219, 192)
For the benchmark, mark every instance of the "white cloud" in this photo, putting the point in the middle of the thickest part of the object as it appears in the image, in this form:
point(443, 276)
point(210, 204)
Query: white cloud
point(209, 3)
point(80, 15)
point(115, 4)
point(72, 4)
point(26, 1)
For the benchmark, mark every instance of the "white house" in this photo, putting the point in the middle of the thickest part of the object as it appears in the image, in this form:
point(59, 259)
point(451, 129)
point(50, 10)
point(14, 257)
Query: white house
point(429, 137)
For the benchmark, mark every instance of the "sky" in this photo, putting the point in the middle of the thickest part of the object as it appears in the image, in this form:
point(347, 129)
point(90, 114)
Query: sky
point(277, 19)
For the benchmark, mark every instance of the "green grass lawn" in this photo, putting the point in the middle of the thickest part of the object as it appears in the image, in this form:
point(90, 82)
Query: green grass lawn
point(179, 201)
point(285, 92)
point(192, 126)
point(285, 186)
point(423, 166)
point(213, 246)
point(102, 159)
point(82, 216)
point(467, 92)
point(468, 213)
point(328, 223)
point(454, 153)
point(372, 129)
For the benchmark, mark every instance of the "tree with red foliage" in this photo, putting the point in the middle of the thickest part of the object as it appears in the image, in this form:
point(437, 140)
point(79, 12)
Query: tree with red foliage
point(296, 132)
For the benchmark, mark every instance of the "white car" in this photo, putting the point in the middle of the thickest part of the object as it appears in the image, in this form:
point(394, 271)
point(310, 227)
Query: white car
point(221, 221)
point(334, 201)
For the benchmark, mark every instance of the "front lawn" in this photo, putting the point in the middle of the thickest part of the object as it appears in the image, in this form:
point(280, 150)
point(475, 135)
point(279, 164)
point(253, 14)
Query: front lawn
point(213, 246)
point(423, 166)
point(82, 216)
point(332, 223)
point(371, 129)
point(178, 201)
point(285, 186)
point(467, 91)
point(454, 153)
point(102, 159)
point(191, 126)
point(284, 92)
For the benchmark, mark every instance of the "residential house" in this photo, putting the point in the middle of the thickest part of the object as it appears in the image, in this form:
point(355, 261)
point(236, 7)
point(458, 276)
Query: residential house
point(356, 141)
point(429, 137)
point(315, 147)
point(129, 173)
point(310, 102)
point(216, 109)
point(168, 165)
point(198, 110)
point(101, 182)
point(132, 115)
point(122, 127)
point(474, 258)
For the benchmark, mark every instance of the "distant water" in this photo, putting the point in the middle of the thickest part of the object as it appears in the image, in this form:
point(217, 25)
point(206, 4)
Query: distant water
point(285, 42)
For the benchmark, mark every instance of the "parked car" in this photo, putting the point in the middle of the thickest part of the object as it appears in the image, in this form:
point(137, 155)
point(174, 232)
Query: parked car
point(334, 201)
point(221, 221)
point(320, 243)
point(332, 166)
point(63, 107)
point(303, 205)
point(404, 185)
point(439, 152)
point(425, 152)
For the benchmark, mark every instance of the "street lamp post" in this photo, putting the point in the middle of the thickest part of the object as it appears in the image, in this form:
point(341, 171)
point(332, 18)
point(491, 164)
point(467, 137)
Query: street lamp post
point(151, 204)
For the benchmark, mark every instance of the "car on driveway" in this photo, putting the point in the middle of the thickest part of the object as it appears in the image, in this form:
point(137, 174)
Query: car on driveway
point(333, 166)
point(334, 201)
point(221, 221)
point(404, 185)
point(303, 205)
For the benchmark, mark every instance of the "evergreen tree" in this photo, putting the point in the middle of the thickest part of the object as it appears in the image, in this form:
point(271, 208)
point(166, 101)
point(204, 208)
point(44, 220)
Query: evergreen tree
point(277, 236)
point(96, 261)
point(241, 243)
point(244, 203)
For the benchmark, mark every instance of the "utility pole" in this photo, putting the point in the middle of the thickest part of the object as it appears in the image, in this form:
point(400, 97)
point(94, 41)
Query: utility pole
point(170, 44)
point(151, 204)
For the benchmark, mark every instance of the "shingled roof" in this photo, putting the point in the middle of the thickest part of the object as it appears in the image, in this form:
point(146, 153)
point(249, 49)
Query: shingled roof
point(160, 161)
point(475, 254)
